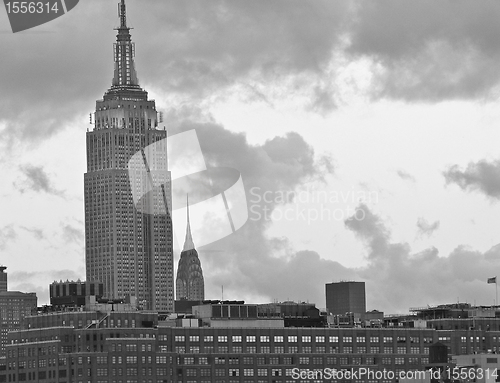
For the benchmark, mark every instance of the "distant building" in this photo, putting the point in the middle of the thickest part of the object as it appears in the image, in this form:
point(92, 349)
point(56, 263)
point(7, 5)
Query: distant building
point(3, 278)
point(487, 363)
point(14, 306)
point(73, 293)
point(190, 284)
point(185, 306)
point(346, 297)
point(233, 314)
point(294, 314)
point(374, 318)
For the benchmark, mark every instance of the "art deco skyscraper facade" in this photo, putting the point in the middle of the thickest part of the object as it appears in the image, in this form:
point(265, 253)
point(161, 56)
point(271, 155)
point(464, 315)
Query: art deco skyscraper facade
point(190, 284)
point(128, 243)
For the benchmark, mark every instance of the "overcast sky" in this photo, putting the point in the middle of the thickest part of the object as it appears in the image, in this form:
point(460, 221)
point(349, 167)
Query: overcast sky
point(378, 122)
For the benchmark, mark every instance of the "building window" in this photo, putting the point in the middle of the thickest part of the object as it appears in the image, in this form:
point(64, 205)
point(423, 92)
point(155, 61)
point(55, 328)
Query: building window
point(248, 360)
point(188, 360)
point(261, 372)
point(248, 372)
point(304, 360)
point(234, 372)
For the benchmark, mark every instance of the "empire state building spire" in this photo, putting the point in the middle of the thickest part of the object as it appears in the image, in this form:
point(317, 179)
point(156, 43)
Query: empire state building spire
point(125, 84)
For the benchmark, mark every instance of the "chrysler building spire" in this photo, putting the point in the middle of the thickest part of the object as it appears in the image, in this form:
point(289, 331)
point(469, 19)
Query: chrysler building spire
point(188, 243)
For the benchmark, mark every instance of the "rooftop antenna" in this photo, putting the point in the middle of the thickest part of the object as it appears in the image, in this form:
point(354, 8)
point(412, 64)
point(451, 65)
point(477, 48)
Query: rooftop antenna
point(122, 14)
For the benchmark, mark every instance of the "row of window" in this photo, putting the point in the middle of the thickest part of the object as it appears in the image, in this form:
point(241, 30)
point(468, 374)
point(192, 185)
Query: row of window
point(303, 339)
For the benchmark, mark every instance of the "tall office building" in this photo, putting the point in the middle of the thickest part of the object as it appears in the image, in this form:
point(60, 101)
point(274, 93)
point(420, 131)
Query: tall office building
point(346, 297)
point(128, 242)
point(190, 282)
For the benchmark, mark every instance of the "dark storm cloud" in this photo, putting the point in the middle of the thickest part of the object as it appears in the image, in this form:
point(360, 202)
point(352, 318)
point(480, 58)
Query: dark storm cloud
point(397, 279)
point(216, 43)
point(50, 78)
point(36, 179)
point(429, 50)
point(482, 176)
point(426, 228)
point(190, 49)
point(7, 234)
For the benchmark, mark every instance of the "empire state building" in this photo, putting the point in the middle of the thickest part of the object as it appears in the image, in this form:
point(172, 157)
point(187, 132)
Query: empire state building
point(128, 244)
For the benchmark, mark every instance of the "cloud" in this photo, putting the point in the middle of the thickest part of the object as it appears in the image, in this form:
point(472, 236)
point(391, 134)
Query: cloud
point(71, 234)
point(422, 50)
point(37, 180)
point(37, 233)
point(405, 176)
point(426, 228)
point(7, 234)
point(426, 50)
point(482, 176)
point(200, 48)
point(249, 263)
point(397, 279)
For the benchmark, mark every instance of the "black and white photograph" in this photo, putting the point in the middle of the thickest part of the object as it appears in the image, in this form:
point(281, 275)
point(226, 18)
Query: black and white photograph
point(249, 191)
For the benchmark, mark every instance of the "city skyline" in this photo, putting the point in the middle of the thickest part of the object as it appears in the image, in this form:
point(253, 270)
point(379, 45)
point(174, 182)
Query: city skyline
point(343, 102)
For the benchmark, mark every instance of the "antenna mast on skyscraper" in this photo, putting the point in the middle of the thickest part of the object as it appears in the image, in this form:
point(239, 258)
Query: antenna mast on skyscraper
point(122, 14)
